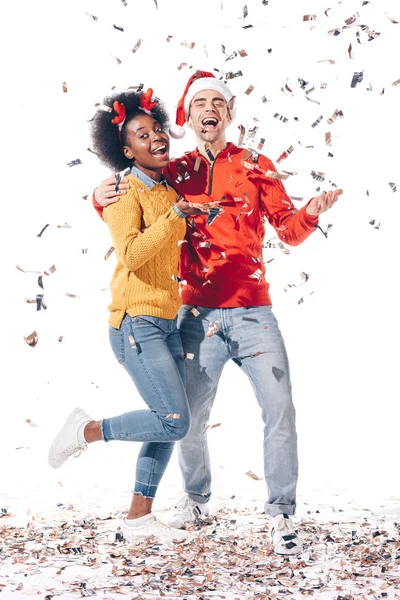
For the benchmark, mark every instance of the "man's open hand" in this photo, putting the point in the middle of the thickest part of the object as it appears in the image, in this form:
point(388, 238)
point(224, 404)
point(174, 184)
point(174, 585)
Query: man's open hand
point(106, 193)
point(323, 202)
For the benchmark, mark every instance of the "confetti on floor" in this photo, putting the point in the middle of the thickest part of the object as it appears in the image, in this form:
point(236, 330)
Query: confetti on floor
point(73, 555)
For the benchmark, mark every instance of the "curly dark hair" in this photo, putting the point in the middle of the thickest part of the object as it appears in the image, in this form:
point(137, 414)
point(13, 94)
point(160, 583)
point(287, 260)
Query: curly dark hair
point(105, 135)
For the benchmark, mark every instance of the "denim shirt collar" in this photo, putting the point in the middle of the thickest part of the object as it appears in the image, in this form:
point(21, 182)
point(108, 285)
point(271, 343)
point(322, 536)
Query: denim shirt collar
point(148, 181)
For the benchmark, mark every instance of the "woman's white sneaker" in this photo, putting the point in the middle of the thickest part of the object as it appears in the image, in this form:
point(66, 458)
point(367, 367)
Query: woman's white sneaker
point(68, 442)
point(152, 528)
point(189, 511)
point(284, 538)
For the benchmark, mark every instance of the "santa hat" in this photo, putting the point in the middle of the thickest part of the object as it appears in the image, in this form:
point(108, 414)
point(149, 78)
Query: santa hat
point(198, 82)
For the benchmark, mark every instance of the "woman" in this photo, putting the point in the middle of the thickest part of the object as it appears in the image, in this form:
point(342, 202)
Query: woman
point(146, 226)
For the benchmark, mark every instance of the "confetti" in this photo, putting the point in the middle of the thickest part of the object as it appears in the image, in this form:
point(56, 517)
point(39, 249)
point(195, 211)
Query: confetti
point(285, 154)
point(109, 252)
point(213, 214)
point(253, 476)
point(32, 339)
point(249, 89)
point(337, 113)
point(256, 275)
point(208, 151)
point(137, 45)
point(393, 186)
point(73, 163)
point(103, 107)
point(232, 75)
point(375, 224)
point(276, 175)
point(281, 118)
point(391, 19)
point(188, 356)
point(317, 121)
point(30, 423)
point(328, 138)
point(91, 16)
point(43, 230)
point(194, 312)
point(357, 78)
point(118, 27)
point(213, 327)
point(173, 416)
point(327, 229)
point(132, 342)
point(189, 45)
point(179, 279)
point(318, 176)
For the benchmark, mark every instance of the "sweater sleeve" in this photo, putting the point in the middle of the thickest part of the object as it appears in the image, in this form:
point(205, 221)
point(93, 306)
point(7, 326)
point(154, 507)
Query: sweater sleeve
point(134, 245)
point(98, 208)
point(292, 226)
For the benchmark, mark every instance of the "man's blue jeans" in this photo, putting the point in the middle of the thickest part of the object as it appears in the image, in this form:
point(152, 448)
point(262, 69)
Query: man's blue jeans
point(150, 350)
point(252, 339)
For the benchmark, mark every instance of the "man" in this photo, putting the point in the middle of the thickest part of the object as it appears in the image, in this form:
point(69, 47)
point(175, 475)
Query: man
point(226, 312)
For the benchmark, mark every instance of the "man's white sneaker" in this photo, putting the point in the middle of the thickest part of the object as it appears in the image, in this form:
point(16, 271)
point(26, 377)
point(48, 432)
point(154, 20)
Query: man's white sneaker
point(67, 442)
point(189, 511)
point(284, 538)
point(152, 528)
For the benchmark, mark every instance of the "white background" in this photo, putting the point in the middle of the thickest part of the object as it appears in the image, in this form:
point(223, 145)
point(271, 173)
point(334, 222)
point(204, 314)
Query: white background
point(342, 339)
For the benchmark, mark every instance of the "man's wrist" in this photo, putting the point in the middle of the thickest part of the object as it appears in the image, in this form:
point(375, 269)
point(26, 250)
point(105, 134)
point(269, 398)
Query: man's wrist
point(179, 212)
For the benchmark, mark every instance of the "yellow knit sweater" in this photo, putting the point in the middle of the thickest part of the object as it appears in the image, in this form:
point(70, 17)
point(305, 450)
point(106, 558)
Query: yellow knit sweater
point(145, 231)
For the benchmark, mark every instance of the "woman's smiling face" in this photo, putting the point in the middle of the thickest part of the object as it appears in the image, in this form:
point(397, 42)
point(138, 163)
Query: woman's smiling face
point(146, 143)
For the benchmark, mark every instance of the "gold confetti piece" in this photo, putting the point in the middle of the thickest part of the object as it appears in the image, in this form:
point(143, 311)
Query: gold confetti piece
point(64, 86)
point(103, 107)
point(213, 426)
point(92, 151)
point(32, 339)
point(242, 53)
point(391, 19)
point(132, 342)
point(309, 17)
point(188, 356)
point(328, 138)
point(254, 476)
point(197, 163)
point(276, 175)
point(30, 423)
point(60, 339)
point(351, 20)
point(182, 65)
point(212, 328)
point(241, 135)
point(195, 312)
point(137, 45)
point(119, 61)
point(189, 45)
point(109, 252)
point(173, 416)
point(349, 50)
point(249, 89)
point(396, 82)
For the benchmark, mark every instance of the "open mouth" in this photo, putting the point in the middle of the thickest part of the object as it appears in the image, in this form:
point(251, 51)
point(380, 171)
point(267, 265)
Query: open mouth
point(160, 151)
point(209, 122)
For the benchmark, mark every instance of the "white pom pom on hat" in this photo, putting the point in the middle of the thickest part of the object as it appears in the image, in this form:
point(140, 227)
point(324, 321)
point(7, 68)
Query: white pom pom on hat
point(199, 81)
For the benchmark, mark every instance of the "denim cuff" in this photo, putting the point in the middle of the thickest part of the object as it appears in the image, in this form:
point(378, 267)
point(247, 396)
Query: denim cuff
point(179, 212)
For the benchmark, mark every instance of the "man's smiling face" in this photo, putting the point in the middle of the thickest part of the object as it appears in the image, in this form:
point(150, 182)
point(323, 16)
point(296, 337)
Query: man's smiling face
point(209, 115)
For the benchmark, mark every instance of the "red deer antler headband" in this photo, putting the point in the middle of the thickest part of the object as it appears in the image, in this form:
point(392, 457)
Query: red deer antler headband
point(146, 104)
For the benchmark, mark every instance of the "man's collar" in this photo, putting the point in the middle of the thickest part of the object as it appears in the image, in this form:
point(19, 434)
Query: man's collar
point(148, 181)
